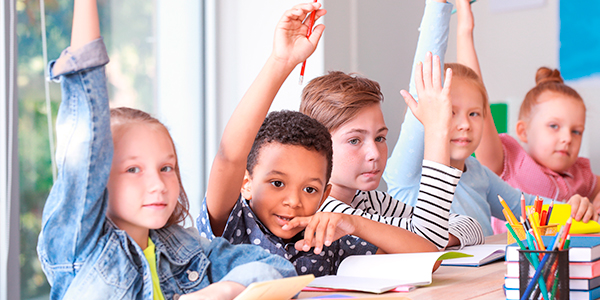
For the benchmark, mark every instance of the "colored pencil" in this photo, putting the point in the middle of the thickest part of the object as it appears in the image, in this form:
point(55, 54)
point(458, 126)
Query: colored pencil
point(511, 216)
point(523, 205)
point(543, 218)
point(311, 23)
point(549, 211)
point(537, 279)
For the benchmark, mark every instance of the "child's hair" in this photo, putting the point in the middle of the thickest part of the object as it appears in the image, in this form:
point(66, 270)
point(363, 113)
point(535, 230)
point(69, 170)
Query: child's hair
point(124, 115)
point(337, 97)
point(462, 71)
point(546, 79)
point(292, 128)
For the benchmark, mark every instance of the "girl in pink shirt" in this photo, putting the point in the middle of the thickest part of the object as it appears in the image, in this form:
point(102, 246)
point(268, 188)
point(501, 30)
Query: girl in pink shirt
point(551, 122)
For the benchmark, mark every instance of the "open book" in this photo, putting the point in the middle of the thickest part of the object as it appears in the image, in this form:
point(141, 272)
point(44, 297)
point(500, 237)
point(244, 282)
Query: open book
point(482, 254)
point(384, 272)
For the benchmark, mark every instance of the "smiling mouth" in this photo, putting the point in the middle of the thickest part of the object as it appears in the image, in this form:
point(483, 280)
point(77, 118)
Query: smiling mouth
point(284, 218)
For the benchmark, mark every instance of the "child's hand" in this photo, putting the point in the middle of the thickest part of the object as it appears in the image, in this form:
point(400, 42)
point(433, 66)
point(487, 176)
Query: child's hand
point(321, 229)
point(434, 108)
point(466, 23)
point(224, 290)
point(582, 209)
point(291, 46)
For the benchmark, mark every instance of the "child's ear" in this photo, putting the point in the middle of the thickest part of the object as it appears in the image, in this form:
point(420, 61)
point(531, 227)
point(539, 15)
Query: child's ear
point(247, 186)
point(522, 131)
point(325, 194)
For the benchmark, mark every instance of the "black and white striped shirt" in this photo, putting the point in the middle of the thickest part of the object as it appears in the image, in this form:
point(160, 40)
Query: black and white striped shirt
point(431, 218)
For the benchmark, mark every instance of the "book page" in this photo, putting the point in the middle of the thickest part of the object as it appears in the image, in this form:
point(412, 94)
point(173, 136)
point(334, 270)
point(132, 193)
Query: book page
point(482, 254)
point(371, 285)
point(407, 268)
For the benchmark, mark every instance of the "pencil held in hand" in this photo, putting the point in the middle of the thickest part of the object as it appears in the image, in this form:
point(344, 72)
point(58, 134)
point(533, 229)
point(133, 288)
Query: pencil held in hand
point(311, 23)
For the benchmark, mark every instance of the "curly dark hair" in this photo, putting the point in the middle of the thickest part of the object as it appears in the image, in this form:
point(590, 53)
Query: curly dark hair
point(292, 128)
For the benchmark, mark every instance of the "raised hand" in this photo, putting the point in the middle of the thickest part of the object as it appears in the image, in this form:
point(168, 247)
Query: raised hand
point(434, 108)
point(291, 46)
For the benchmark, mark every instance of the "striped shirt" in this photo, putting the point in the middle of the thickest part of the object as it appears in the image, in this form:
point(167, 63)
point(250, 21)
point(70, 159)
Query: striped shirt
point(430, 218)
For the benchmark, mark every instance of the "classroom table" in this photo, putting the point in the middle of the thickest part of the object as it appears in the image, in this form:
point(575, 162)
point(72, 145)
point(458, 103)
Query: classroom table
point(450, 283)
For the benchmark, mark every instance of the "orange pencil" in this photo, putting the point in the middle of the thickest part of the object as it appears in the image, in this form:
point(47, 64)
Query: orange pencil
point(311, 23)
point(511, 217)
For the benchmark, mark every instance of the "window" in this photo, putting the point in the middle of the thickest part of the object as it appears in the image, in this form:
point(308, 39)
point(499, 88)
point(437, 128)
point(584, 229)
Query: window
point(131, 33)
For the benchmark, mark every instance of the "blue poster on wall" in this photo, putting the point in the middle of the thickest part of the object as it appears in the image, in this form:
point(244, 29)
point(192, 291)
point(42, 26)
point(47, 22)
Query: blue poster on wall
point(579, 38)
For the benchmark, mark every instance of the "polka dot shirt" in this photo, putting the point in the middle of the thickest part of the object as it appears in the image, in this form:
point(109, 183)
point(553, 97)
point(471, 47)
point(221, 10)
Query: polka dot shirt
point(243, 227)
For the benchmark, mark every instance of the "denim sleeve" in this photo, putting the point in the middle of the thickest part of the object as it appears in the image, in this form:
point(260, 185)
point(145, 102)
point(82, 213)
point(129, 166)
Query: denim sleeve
point(403, 171)
point(244, 263)
point(75, 209)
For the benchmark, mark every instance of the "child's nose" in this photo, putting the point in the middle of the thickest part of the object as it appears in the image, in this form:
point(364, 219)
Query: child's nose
point(292, 200)
point(462, 123)
point(565, 136)
point(156, 182)
point(372, 152)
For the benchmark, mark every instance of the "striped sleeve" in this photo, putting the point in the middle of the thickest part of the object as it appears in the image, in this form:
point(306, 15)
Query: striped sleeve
point(432, 211)
point(466, 229)
point(374, 205)
point(431, 217)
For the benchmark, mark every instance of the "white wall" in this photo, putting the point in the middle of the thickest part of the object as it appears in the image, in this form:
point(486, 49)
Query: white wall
point(244, 39)
point(511, 47)
point(377, 38)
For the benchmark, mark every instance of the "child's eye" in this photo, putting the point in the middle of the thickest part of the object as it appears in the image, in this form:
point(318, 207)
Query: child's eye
point(310, 190)
point(277, 183)
point(166, 169)
point(380, 139)
point(133, 170)
point(474, 114)
point(577, 132)
point(553, 126)
point(353, 141)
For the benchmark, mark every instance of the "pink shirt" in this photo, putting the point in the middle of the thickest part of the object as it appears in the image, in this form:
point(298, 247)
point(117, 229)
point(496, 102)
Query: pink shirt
point(523, 172)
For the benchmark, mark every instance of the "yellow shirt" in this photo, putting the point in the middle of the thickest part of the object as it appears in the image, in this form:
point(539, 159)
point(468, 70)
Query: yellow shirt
point(150, 254)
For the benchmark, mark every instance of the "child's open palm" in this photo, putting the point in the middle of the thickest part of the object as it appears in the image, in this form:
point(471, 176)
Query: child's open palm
point(434, 109)
point(291, 44)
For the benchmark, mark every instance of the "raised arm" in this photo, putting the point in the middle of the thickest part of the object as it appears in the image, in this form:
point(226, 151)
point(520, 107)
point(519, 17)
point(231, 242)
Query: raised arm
point(75, 209)
point(490, 152)
point(290, 47)
point(403, 170)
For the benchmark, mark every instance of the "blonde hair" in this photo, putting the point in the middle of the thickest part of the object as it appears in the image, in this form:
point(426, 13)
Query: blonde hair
point(122, 116)
point(464, 72)
point(546, 79)
point(337, 97)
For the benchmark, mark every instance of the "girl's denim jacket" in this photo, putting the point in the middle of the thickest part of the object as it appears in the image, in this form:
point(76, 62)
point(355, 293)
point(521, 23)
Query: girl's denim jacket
point(83, 253)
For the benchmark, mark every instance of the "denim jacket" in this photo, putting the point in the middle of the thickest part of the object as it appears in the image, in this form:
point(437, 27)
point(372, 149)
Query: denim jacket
point(83, 254)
